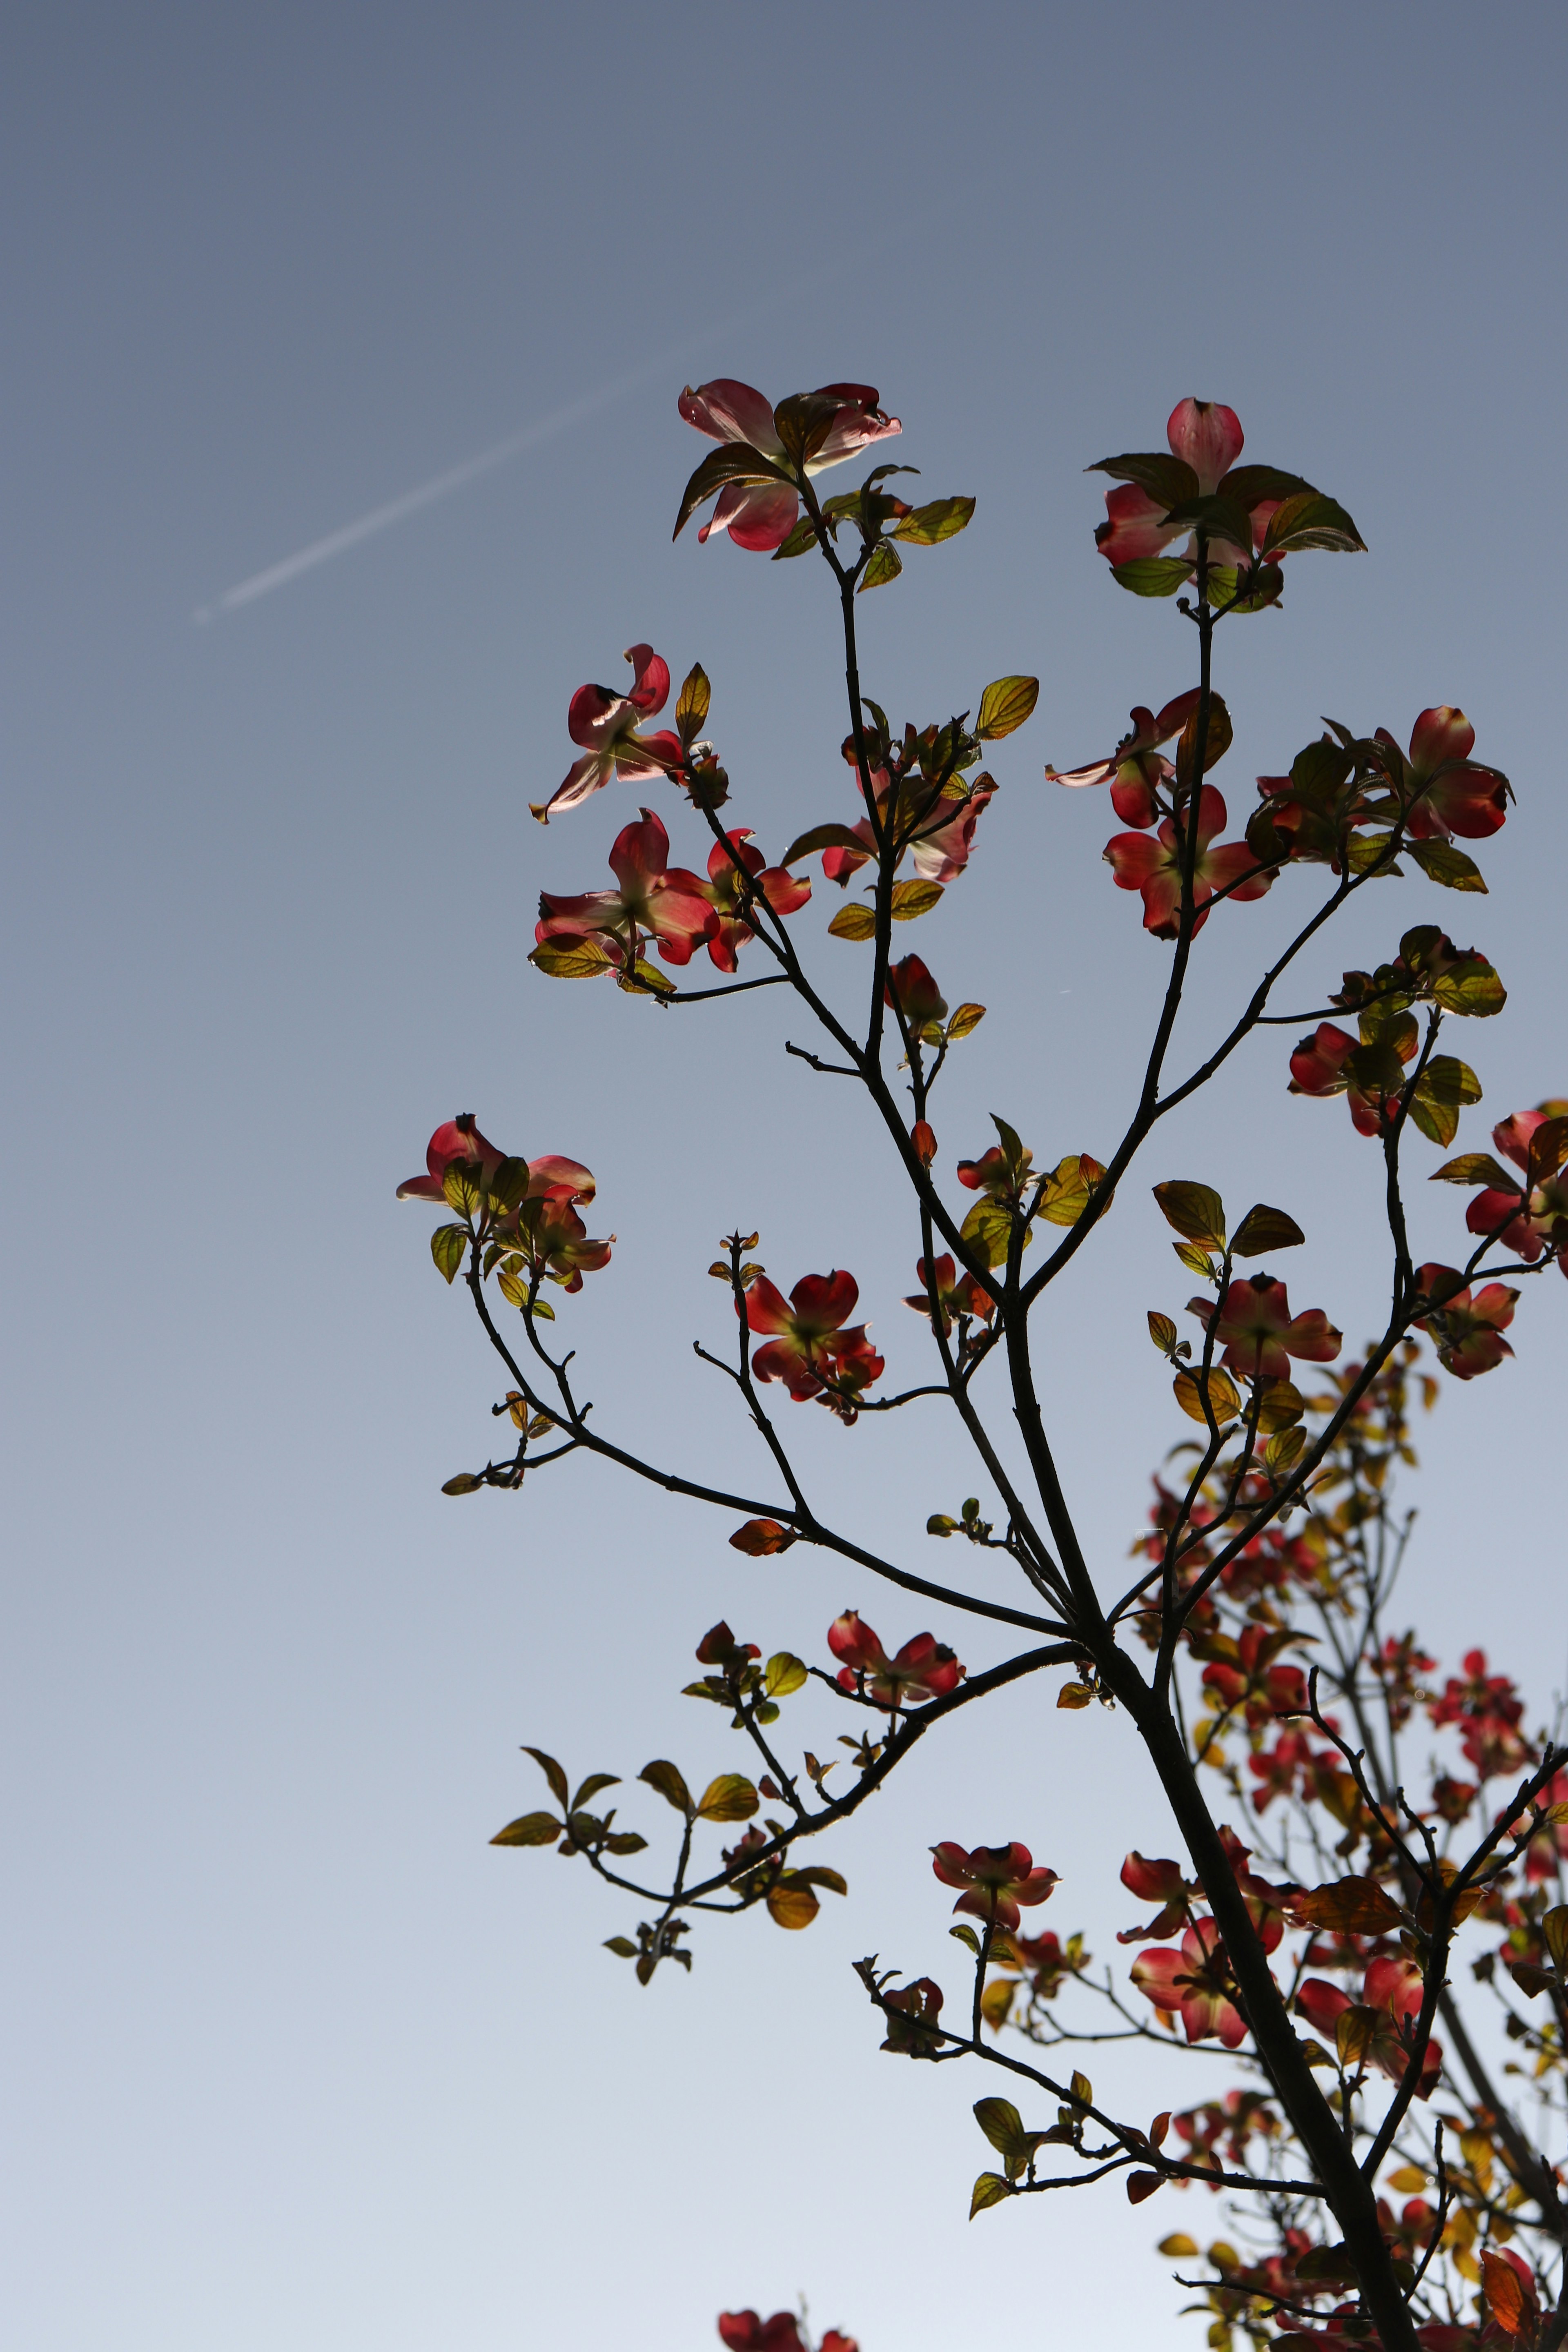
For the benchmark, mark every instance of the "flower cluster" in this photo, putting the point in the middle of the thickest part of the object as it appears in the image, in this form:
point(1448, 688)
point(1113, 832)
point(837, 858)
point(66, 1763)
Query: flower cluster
point(522, 1212)
point(923, 1669)
point(765, 450)
point(606, 723)
point(809, 1347)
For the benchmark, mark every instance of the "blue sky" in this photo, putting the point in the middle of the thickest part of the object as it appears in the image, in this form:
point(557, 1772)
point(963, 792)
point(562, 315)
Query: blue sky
point(297, 2057)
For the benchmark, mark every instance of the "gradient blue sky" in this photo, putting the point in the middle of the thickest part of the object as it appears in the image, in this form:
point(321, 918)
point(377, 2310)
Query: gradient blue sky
point(298, 2059)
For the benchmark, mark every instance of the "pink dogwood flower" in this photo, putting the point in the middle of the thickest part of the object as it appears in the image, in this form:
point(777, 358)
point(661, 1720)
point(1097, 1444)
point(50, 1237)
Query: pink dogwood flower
point(1153, 867)
point(997, 1879)
point(1466, 1331)
point(459, 1142)
point(1193, 1983)
point(761, 515)
point(1447, 792)
point(652, 897)
point(1208, 438)
point(956, 1294)
point(1258, 1332)
point(1532, 1218)
point(778, 889)
point(1390, 2003)
point(808, 1349)
point(606, 723)
point(1136, 767)
point(923, 1669)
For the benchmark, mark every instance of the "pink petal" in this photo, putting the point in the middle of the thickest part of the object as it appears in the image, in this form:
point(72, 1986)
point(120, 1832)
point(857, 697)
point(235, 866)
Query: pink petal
point(582, 779)
point(640, 854)
point(760, 519)
point(652, 674)
point(597, 713)
point(1208, 436)
point(727, 411)
point(1443, 733)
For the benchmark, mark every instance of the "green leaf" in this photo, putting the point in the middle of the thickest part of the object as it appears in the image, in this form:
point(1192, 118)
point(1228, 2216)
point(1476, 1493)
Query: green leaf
point(967, 1017)
point(462, 1188)
point(1476, 1168)
point(552, 1773)
point(1153, 576)
point(1004, 2127)
point(1195, 1211)
point(1444, 1087)
point(1311, 520)
point(691, 703)
point(1221, 1396)
point(1249, 485)
point(988, 1230)
point(1281, 1407)
point(823, 836)
point(939, 1524)
point(585, 959)
point(666, 1778)
point(912, 899)
point(1264, 1229)
point(514, 1292)
point(942, 519)
point(531, 1829)
point(1283, 1451)
point(730, 1798)
point(508, 1183)
point(625, 1841)
point(789, 1903)
point(447, 1243)
point(1218, 517)
point(1441, 862)
point(644, 977)
point(1005, 704)
point(1197, 1261)
point(989, 2190)
point(785, 1673)
point(592, 1786)
point(802, 536)
point(854, 922)
point(465, 1483)
point(1365, 850)
point(886, 564)
point(1162, 1331)
point(737, 461)
point(625, 1950)
point(966, 1935)
point(1170, 479)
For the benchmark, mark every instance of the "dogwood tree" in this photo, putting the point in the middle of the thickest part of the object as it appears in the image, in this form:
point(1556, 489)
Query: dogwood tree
point(1327, 1906)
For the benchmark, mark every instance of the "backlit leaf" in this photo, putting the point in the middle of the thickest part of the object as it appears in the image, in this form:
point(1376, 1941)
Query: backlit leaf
point(465, 1483)
point(1264, 1229)
point(1168, 479)
point(785, 1673)
point(1153, 576)
point(1178, 2247)
point(1005, 704)
point(1441, 862)
point(967, 1017)
point(692, 702)
point(532, 1829)
point(823, 836)
point(1162, 1331)
point(1311, 520)
point(1476, 1168)
point(447, 1243)
point(583, 960)
point(1195, 1211)
point(666, 1778)
point(1348, 1906)
point(730, 1798)
point(912, 899)
point(761, 1537)
point(622, 1946)
point(854, 922)
point(940, 518)
point(1221, 1396)
point(592, 1786)
point(886, 564)
point(989, 2190)
point(1281, 1407)
point(737, 461)
point(552, 1773)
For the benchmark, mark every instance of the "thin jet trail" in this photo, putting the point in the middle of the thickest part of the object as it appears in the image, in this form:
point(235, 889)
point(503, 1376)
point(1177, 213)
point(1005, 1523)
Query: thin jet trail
point(546, 428)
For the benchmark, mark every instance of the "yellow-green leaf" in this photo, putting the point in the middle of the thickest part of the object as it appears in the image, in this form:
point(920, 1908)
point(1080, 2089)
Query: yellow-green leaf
point(784, 1673)
point(912, 899)
point(585, 959)
point(447, 1243)
point(967, 1017)
point(989, 2190)
point(941, 519)
point(1221, 1396)
point(854, 922)
point(1195, 1211)
point(465, 1483)
point(667, 1779)
point(886, 564)
point(531, 1829)
point(730, 1798)
point(1005, 704)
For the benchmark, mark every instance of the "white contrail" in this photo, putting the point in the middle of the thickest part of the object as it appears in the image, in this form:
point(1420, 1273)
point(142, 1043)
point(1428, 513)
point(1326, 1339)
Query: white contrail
point(560, 420)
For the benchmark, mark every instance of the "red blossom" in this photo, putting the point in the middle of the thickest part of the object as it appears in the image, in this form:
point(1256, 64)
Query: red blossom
point(1136, 769)
point(1488, 1710)
point(997, 1879)
point(744, 2331)
point(1532, 1218)
point(923, 1669)
point(653, 899)
point(956, 1294)
point(1447, 793)
point(1193, 1983)
point(606, 723)
point(1329, 1062)
point(780, 891)
point(915, 993)
point(810, 1350)
point(1255, 1680)
point(761, 515)
point(459, 1142)
point(1391, 2000)
point(1260, 1335)
point(1155, 867)
point(1467, 1330)
point(1210, 438)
